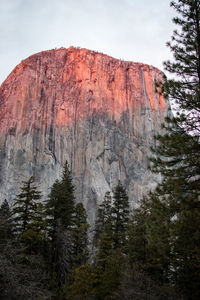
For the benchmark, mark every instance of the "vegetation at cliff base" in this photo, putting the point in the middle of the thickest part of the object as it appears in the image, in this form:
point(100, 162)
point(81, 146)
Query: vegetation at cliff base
point(46, 252)
point(49, 251)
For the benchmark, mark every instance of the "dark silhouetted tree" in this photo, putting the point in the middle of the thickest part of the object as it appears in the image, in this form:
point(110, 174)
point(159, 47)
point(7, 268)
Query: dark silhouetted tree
point(25, 206)
point(80, 250)
point(60, 211)
point(120, 216)
point(5, 223)
point(104, 218)
point(177, 155)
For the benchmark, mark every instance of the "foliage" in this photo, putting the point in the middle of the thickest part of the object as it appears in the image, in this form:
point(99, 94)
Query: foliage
point(137, 238)
point(177, 158)
point(104, 250)
point(82, 287)
point(184, 89)
point(5, 223)
point(108, 273)
point(80, 236)
point(149, 239)
point(110, 239)
point(22, 276)
point(60, 204)
point(103, 221)
point(120, 216)
point(112, 218)
point(135, 284)
point(25, 206)
point(34, 237)
point(65, 227)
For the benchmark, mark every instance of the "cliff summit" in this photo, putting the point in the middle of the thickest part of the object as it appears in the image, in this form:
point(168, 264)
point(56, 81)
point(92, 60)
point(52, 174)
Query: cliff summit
point(98, 112)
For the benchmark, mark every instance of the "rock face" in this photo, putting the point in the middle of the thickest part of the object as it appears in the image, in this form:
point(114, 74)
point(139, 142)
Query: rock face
point(97, 112)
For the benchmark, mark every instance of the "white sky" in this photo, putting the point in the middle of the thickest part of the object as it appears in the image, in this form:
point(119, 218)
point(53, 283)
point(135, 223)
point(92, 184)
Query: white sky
point(135, 30)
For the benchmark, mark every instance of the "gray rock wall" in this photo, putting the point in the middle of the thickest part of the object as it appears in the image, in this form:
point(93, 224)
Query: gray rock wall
point(97, 112)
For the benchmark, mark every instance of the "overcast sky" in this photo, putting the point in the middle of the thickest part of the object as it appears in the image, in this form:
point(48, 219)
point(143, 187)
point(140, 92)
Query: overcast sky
point(135, 30)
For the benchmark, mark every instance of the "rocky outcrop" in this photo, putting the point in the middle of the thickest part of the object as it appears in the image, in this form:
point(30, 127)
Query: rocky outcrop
point(97, 112)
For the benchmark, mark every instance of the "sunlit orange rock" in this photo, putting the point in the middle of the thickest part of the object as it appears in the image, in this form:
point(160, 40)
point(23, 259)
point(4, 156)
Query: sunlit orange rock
point(97, 112)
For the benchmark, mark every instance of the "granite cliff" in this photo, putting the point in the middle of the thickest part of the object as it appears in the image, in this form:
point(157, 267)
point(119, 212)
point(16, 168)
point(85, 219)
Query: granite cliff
point(97, 112)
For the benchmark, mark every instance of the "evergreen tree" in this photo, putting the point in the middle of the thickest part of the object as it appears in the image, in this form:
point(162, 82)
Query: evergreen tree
point(5, 223)
point(60, 204)
point(83, 285)
point(184, 89)
point(158, 251)
point(5, 209)
point(60, 212)
point(52, 208)
point(34, 237)
point(109, 269)
point(149, 238)
point(120, 216)
point(110, 237)
point(137, 238)
point(25, 205)
point(104, 218)
point(104, 251)
point(80, 236)
point(177, 155)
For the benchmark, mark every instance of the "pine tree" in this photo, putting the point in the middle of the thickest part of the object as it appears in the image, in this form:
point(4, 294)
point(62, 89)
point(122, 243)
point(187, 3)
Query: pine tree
point(184, 90)
point(52, 207)
point(60, 212)
point(5, 209)
point(177, 155)
point(110, 237)
point(5, 223)
point(83, 284)
point(25, 205)
point(80, 236)
point(120, 216)
point(137, 238)
point(109, 268)
point(149, 235)
point(60, 205)
point(35, 237)
point(104, 251)
point(103, 222)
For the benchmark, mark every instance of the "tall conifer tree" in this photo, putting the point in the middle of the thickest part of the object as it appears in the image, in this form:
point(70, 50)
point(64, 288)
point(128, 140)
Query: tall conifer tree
point(177, 155)
point(5, 222)
point(25, 206)
point(35, 235)
point(80, 236)
point(103, 222)
point(60, 212)
point(120, 215)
